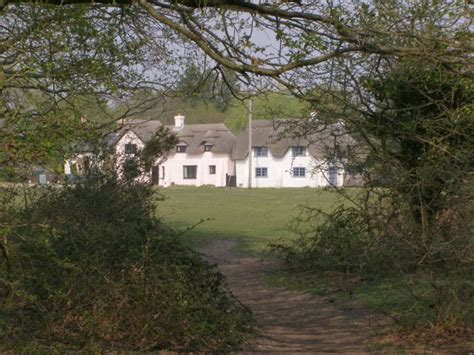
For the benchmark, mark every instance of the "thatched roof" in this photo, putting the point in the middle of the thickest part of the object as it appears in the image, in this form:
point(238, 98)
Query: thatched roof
point(144, 129)
point(279, 138)
point(195, 136)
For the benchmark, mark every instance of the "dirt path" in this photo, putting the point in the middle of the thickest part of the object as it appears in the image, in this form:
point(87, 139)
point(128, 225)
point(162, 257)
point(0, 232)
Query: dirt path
point(290, 321)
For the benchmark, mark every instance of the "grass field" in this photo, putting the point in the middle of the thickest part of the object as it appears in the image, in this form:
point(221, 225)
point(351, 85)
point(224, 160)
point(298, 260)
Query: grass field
point(253, 218)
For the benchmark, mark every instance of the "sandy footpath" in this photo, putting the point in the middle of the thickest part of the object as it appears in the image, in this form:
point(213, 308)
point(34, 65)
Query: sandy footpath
point(289, 321)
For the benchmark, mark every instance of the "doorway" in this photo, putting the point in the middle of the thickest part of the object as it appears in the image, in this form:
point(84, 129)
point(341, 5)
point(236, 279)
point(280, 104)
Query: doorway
point(155, 175)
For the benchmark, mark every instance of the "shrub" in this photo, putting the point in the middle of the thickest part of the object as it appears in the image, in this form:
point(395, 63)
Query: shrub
point(90, 267)
point(375, 238)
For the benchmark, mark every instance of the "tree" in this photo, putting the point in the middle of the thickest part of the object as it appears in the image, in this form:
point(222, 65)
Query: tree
point(268, 106)
point(214, 86)
point(304, 35)
point(424, 129)
point(63, 68)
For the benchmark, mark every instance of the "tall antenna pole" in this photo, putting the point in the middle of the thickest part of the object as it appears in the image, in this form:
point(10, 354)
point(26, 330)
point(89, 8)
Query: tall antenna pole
point(250, 142)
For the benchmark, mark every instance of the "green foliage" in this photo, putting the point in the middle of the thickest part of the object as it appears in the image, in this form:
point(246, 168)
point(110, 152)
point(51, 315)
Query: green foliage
point(66, 65)
point(212, 86)
point(162, 141)
point(130, 169)
point(89, 267)
point(374, 240)
point(425, 132)
point(267, 106)
point(152, 154)
point(344, 240)
point(29, 140)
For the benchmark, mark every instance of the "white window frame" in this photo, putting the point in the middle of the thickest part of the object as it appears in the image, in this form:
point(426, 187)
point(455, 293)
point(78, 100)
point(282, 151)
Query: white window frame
point(260, 151)
point(212, 170)
point(130, 148)
point(185, 172)
point(181, 148)
point(208, 147)
point(298, 151)
point(297, 170)
point(261, 172)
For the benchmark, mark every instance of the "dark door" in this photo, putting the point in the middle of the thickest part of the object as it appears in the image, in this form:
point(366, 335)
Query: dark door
point(231, 180)
point(155, 175)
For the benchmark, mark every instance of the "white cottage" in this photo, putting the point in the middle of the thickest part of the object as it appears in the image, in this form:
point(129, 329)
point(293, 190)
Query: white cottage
point(202, 156)
point(277, 161)
point(209, 154)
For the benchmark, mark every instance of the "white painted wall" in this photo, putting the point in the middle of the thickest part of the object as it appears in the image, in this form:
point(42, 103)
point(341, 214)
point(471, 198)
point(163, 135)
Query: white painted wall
point(175, 162)
point(280, 171)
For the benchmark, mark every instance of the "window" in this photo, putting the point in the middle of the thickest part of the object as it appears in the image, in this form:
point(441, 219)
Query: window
point(207, 147)
point(299, 172)
point(261, 151)
point(298, 151)
point(189, 171)
point(212, 169)
point(181, 148)
point(130, 148)
point(162, 176)
point(261, 172)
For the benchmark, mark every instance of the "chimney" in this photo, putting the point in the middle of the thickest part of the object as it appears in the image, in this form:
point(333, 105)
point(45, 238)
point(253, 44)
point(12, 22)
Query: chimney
point(178, 122)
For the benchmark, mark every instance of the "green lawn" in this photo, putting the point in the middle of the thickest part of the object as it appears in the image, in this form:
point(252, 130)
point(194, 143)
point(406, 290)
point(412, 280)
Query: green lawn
point(253, 218)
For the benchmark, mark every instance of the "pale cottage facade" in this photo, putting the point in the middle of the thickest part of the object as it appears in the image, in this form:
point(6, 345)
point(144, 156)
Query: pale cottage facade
point(202, 156)
point(287, 161)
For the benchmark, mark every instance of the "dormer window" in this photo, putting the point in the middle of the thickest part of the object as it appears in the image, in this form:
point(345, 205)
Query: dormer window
point(261, 151)
point(208, 147)
point(298, 151)
point(181, 148)
point(130, 148)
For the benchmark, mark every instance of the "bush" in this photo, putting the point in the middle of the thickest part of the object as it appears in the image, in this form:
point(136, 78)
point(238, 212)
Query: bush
point(345, 240)
point(375, 239)
point(90, 267)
